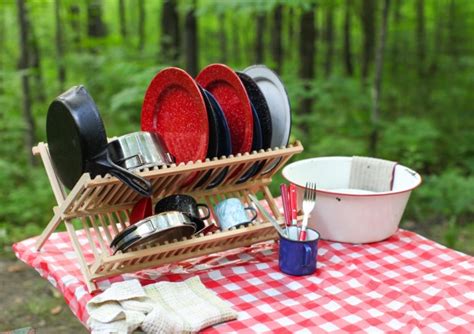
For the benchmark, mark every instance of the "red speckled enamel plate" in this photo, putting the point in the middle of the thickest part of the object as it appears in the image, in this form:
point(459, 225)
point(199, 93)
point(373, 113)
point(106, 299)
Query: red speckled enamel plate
point(174, 108)
point(229, 91)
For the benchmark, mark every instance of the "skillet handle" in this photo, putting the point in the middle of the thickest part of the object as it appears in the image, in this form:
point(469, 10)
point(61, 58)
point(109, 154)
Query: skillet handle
point(137, 183)
point(103, 164)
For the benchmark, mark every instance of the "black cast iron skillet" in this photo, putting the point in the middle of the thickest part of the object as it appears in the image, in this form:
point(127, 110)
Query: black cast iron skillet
point(78, 142)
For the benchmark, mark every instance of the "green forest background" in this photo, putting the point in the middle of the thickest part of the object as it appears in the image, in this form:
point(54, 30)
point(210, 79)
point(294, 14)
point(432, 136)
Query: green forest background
point(392, 79)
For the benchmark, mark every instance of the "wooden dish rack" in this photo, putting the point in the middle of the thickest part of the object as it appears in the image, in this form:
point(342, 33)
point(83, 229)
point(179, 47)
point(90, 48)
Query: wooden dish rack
point(101, 207)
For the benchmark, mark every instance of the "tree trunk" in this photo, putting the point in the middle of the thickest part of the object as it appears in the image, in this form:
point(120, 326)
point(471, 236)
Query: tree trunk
point(2, 47)
point(347, 56)
point(191, 41)
point(420, 37)
point(277, 49)
point(235, 39)
point(378, 79)
point(222, 38)
point(59, 45)
point(95, 26)
point(438, 38)
point(170, 41)
point(396, 43)
point(329, 39)
point(23, 66)
point(75, 15)
point(307, 52)
point(122, 19)
point(141, 24)
point(259, 41)
point(368, 28)
point(35, 61)
point(452, 38)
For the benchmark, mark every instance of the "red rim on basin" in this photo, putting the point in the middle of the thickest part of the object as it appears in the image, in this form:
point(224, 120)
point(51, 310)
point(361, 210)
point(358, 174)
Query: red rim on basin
point(229, 91)
point(174, 108)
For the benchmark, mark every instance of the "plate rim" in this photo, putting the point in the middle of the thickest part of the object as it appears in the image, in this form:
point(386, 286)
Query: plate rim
point(281, 88)
point(198, 96)
point(241, 93)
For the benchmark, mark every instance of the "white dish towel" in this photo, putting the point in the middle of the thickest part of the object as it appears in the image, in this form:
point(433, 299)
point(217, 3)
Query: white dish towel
point(371, 174)
point(164, 307)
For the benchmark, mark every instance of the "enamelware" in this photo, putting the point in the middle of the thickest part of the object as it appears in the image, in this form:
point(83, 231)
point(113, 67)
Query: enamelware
point(277, 100)
point(256, 146)
point(185, 204)
point(222, 82)
point(297, 257)
point(261, 107)
point(213, 145)
point(174, 108)
point(223, 141)
point(232, 213)
point(351, 215)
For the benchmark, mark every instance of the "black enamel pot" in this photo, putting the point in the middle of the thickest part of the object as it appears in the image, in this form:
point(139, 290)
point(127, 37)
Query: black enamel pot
point(185, 204)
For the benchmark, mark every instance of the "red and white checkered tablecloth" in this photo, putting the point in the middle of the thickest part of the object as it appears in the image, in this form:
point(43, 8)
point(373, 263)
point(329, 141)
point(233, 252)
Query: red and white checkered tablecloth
point(406, 284)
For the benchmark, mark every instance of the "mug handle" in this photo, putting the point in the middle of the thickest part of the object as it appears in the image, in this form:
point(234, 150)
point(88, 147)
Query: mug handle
point(208, 214)
point(307, 255)
point(254, 211)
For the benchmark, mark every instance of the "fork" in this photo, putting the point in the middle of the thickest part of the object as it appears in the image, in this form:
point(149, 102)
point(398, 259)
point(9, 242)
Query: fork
point(309, 200)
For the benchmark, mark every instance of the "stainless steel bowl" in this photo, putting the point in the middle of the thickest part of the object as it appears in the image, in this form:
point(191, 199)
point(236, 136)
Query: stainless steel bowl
point(166, 226)
point(140, 150)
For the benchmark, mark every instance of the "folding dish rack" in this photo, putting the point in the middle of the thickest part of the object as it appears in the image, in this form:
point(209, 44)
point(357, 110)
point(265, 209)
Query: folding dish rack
point(101, 207)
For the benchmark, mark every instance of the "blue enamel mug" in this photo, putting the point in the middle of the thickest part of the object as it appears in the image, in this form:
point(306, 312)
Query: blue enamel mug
point(296, 257)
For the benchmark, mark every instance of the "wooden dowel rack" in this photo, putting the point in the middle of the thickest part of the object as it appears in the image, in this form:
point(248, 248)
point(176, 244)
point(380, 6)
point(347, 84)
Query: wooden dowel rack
point(102, 205)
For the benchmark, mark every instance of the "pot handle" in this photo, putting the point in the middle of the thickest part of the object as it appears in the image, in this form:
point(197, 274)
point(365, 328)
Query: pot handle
point(208, 212)
point(308, 255)
point(104, 164)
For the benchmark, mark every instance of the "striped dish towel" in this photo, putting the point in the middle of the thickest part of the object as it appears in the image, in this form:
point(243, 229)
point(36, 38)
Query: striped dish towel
point(371, 174)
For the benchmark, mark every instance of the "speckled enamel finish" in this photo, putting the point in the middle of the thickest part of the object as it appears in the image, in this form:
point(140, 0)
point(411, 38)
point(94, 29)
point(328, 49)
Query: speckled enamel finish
point(257, 99)
point(174, 108)
point(229, 91)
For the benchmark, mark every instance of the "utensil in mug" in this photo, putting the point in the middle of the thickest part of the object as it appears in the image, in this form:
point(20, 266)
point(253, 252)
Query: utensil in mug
point(286, 208)
point(309, 200)
point(232, 213)
point(297, 257)
point(293, 210)
point(185, 204)
point(267, 215)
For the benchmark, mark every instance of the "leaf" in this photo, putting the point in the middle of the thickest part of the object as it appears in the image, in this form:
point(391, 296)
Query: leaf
point(56, 310)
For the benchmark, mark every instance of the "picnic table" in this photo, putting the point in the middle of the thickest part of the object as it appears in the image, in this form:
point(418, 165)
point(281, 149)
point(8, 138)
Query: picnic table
point(406, 283)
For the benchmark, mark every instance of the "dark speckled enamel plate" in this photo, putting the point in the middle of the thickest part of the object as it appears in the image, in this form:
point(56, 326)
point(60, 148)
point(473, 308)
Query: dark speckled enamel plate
point(174, 108)
point(260, 104)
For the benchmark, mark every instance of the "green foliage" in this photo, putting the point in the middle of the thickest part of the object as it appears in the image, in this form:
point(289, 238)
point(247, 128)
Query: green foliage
point(449, 194)
point(411, 141)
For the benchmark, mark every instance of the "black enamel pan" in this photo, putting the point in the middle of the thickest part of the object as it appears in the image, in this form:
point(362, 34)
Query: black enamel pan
point(78, 142)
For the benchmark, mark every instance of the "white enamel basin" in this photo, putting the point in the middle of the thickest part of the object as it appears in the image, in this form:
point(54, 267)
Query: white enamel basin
point(351, 215)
